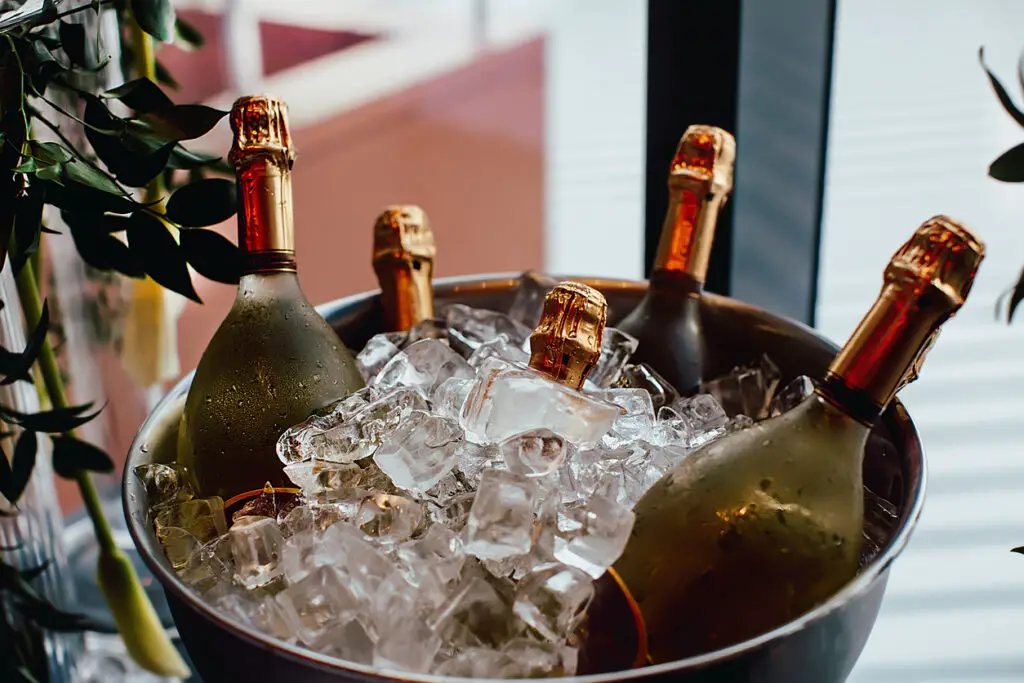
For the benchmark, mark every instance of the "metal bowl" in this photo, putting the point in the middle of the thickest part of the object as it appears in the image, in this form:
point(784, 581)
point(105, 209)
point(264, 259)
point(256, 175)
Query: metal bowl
point(822, 646)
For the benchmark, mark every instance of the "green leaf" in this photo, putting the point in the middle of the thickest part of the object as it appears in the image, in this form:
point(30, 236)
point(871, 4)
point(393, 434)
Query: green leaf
point(1009, 167)
point(98, 247)
point(203, 203)
point(56, 421)
point(1004, 97)
point(50, 152)
point(164, 76)
point(186, 159)
point(155, 17)
point(180, 122)
point(21, 469)
point(187, 36)
point(71, 455)
point(81, 172)
point(79, 49)
point(212, 255)
point(142, 95)
point(15, 366)
point(78, 198)
point(28, 217)
point(160, 254)
point(1016, 296)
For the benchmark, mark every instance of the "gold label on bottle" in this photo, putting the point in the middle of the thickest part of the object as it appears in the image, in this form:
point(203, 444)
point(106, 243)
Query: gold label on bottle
point(699, 181)
point(403, 258)
point(926, 282)
point(566, 344)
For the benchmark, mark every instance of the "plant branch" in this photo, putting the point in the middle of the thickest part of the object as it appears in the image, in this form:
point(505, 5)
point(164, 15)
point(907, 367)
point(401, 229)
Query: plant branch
point(32, 305)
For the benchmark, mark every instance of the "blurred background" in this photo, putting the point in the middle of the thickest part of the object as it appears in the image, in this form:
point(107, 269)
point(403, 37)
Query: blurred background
point(537, 134)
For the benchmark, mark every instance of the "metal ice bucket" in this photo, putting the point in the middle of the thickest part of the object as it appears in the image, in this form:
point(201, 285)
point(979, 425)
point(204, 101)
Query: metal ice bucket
point(819, 647)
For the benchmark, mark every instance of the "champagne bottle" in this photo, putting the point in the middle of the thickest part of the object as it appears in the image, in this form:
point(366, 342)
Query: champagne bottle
point(666, 322)
point(757, 528)
point(403, 258)
point(273, 360)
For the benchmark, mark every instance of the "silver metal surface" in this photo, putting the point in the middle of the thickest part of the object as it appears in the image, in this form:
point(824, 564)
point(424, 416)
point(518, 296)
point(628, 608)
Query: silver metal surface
point(819, 647)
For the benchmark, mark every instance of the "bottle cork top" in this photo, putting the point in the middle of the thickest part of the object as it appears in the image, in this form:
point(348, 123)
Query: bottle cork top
point(705, 153)
point(260, 127)
point(566, 344)
point(403, 232)
point(942, 253)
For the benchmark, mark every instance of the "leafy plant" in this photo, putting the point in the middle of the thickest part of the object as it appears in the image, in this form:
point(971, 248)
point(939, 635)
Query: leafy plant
point(135, 201)
point(1008, 168)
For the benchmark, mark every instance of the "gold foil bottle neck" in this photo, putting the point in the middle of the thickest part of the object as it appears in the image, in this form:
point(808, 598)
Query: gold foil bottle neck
point(706, 154)
point(943, 254)
point(567, 342)
point(403, 258)
point(403, 233)
point(260, 127)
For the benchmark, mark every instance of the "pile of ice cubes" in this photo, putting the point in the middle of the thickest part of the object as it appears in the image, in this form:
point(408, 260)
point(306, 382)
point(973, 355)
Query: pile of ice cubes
point(455, 512)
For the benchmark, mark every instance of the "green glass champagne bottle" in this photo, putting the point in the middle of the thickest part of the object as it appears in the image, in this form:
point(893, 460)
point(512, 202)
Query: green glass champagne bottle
point(760, 526)
point(274, 359)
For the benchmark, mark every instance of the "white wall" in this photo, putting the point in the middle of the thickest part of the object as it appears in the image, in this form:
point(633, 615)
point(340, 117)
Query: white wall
point(914, 126)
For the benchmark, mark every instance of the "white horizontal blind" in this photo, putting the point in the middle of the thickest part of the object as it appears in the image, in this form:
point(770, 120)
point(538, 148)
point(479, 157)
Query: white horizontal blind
point(913, 128)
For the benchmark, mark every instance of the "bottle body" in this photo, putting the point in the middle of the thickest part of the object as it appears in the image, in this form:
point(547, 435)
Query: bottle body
point(272, 362)
point(723, 551)
point(667, 324)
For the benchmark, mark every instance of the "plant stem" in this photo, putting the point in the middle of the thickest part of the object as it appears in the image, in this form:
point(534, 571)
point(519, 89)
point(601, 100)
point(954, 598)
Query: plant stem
point(28, 293)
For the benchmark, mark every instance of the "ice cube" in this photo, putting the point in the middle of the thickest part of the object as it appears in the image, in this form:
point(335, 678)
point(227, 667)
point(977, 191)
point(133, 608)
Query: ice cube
point(501, 518)
point(506, 401)
point(616, 349)
point(792, 395)
point(449, 397)
point(375, 355)
point(478, 663)
point(422, 367)
point(346, 639)
point(473, 459)
point(702, 412)
point(540, 660)
point(410, 646)
point(342, 545)
point(268, 616)
point(428, 328)
point(420, 451)
point(315, 601)
point(438, 552)
point(209, 565)
point(605, 528)
point(476, 614)
point(529, 300)
point(256, 546)
point(469, 327)
point(163, 484)
point(552, 600)
point(747, 390)
point(389, 518)
point(396, 599)
point(298, 556)
point(299, 519)
point(643, 376)
point(534, 454)
point(293, 445)
point(178, 544)
point(200, 517)
point(453, 513)
point(880, 519)
point(499, 347)
point(637, 422)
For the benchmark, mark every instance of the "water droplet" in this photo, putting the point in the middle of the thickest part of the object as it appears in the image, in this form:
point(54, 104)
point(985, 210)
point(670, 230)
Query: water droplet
point(144, 448)
point(766, 443)
point(234, 387)
point(239, 404)
point(209, 399)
